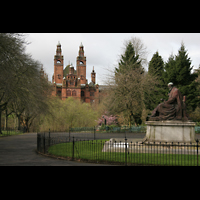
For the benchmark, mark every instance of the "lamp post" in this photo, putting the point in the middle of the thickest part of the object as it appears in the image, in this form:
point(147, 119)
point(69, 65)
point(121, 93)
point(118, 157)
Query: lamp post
point(104, 120)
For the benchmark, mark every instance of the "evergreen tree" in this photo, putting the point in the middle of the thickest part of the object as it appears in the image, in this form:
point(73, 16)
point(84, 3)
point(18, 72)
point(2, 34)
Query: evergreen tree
point(156, 65)
point(156, 69)
point(129, 73)
point(129, 83)
point(170, 71)
point(183, 67)
point(129, 60)
point(179, 71)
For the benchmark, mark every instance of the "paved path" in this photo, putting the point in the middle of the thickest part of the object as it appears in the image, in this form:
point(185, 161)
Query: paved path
point(20, 150)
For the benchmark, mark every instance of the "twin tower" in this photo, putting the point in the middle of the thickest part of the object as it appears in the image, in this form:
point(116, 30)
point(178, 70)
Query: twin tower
point(73, 83)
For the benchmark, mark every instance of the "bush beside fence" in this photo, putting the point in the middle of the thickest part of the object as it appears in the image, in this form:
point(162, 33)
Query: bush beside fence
point(12, 131)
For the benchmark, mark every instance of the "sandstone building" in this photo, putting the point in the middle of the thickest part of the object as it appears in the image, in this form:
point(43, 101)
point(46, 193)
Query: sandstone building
point(69, 82)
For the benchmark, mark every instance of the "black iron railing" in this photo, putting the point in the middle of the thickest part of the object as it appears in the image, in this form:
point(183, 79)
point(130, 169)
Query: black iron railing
point(125, 150)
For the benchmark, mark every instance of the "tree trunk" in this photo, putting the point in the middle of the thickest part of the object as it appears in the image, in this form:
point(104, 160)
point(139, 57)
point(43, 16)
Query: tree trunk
point(27, 126)
point(6, 120)
point(18, 116)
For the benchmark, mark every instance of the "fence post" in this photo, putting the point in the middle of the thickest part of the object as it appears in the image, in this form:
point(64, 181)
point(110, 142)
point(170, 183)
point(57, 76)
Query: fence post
point(197, 151)
point(125, 151)
point(73, 149)
point(94, 132)
point(44, 142)
point(37, 142)
point(49, 137)
point(69, 134)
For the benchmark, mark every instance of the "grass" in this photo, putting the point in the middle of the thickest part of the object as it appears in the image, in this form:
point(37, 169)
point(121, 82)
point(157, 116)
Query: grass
point(92, 151)
point(6, 133)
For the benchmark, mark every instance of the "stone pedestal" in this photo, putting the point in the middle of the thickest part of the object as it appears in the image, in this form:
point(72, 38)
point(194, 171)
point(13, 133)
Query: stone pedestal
point(170, 131)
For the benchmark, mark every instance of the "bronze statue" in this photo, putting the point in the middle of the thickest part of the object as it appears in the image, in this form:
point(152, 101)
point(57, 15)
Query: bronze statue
point(172, 109)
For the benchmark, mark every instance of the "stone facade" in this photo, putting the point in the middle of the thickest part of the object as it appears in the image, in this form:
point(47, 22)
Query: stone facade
point(170, 131)
point(74, 84)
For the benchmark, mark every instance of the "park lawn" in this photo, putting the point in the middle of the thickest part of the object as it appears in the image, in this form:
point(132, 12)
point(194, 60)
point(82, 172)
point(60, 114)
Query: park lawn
point(92, 151)
point(6, 133)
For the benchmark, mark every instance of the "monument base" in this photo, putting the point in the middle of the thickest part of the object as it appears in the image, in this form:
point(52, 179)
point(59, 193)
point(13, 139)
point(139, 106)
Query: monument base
point(170, 131)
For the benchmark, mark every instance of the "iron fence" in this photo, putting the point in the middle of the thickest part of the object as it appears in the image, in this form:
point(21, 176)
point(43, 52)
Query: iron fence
point(132, 129)
point(127, 150)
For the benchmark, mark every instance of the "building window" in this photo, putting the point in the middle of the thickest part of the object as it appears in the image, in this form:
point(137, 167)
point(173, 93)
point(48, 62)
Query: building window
point(82, 93)
point(91, 94)
point(91, 101)
point(59, 93)
point(68, 93)
point(59, 76)
point(73, 93)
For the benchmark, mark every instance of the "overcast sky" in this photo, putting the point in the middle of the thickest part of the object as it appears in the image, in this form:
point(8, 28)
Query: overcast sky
point(102, 50)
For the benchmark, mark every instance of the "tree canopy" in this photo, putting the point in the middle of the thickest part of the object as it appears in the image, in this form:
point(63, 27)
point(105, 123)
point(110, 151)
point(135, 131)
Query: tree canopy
point(129, 60)
point(178, 70)
point(156, 70)
point(136, 93)
point(22, 91)
point(126, 94)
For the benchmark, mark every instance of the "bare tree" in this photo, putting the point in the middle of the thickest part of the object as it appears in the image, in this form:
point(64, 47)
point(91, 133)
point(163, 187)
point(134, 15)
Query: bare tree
point(11, 59)
point(140, 49)
point(21, 86)
point(126, 94)
point(129, 83)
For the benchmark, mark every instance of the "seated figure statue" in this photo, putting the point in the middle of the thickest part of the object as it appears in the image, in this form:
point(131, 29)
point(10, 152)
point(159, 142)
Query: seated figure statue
point(172, 109)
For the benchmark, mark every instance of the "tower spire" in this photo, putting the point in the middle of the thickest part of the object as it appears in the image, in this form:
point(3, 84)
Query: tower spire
point(58, 50)
point(58, 65)
point(81, 65)
point(93, 76)
point(81, 51)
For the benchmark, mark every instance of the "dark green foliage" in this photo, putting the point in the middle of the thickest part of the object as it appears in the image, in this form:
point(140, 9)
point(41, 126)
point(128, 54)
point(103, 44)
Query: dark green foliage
point(130, 81)
point(178, 70)
point(170, 71)
point(156, 69)
point(128, 78)
point(156, 65)
point(129, 59)
point(183, 67)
